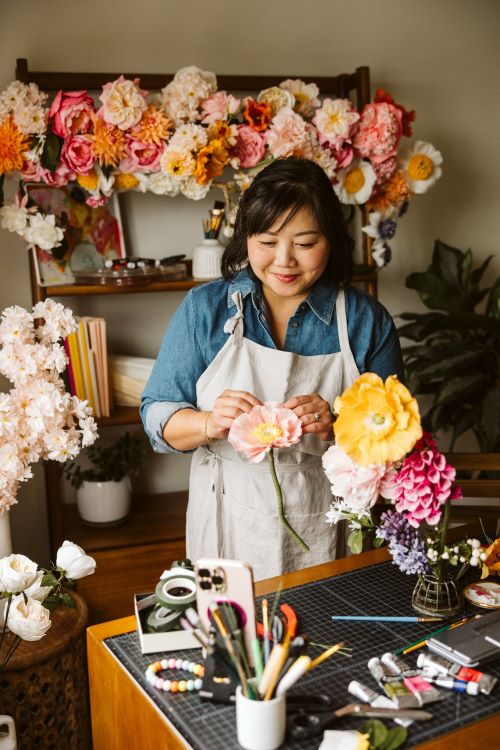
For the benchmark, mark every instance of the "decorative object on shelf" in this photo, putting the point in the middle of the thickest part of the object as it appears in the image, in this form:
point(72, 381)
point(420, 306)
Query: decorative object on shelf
point(454, 351)
point(178, 142)
point(135, 271)
point(206, 259)
point(257, 434)
point(40, 420)
point(104, 491)
point(91, 234)
point(381, 451)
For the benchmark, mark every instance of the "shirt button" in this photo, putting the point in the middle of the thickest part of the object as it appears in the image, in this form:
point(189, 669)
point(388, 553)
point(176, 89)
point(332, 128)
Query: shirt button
point(302, 307)
point(262, 317)
point(295, 323)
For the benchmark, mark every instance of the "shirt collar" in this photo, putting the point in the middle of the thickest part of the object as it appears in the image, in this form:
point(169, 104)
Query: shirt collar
point(321, 299)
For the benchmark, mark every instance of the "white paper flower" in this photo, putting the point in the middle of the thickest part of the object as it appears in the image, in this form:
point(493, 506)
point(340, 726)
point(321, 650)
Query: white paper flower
point(36, 590)
point(304, 94)
point(182, 97)
point(163, 183)
point(30, 620)
point(277, 98)
point(421, 166)
point(334, 119)
point(123, 103)
point(42, 231)
point(355, 182)
point(17, 572)
point(193, 190)
point(13, 218)
point(74, 561)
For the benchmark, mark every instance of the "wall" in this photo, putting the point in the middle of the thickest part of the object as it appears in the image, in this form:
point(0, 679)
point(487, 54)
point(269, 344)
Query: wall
point(439, 57)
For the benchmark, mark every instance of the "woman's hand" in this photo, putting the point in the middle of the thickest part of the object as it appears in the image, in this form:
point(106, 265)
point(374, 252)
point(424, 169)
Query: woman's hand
point(228, 406)
point(315, 414)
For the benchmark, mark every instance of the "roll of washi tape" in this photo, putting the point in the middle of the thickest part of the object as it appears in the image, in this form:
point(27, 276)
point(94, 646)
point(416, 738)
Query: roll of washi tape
point(161, 619)
point(176, 592)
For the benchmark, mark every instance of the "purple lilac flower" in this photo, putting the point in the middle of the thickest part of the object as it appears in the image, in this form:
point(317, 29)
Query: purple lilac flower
point(404, 543)
point(387, 229)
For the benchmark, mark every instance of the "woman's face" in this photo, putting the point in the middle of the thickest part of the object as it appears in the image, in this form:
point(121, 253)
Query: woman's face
point(289, 259)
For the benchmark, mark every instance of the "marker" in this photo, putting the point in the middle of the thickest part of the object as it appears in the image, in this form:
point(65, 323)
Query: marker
point(459, 686)
point(383, 618)
point(298, 668)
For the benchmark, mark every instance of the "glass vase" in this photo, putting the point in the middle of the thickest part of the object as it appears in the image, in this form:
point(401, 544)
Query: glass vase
point(436, 596)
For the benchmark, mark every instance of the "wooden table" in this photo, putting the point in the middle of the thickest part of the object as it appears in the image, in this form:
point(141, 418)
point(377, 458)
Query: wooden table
point(124, 717)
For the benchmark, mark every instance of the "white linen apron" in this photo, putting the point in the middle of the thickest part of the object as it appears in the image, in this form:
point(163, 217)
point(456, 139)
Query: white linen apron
point(232, 510)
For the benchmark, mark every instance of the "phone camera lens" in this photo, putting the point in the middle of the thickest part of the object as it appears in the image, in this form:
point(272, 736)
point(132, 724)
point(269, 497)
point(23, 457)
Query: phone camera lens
point(204, 573)
point(217, 580)
point(205, 585)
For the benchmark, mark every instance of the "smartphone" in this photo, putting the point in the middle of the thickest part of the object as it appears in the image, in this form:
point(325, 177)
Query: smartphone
point(228, 583)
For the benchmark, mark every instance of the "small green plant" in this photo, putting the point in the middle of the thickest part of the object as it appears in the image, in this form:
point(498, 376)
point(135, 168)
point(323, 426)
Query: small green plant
point(456, 355)
point(110, 464)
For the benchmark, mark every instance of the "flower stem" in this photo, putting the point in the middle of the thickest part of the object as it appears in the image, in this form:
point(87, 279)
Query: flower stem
point(444, 534)
point(279, 494)
point(10, 652)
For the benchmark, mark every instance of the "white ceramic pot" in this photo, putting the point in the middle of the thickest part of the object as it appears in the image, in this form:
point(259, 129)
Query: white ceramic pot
point(104, 502)
point(8, 739)
point(206, 260)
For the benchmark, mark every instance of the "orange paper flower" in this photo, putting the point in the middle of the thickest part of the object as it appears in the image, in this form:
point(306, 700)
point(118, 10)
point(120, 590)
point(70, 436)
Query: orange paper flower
point(491, 566)
point(108, 143)
point(154, 126)
point(210, 161)
point(391, 195)
point(13, 145)
point(257, 115)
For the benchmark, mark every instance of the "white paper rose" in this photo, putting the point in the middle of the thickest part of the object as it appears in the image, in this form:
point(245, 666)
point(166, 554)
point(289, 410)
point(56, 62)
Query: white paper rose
point(17, 572)
point(36, 590)
point(74, 561)
point(30, 620)
point(13, 219)
point(42, 231)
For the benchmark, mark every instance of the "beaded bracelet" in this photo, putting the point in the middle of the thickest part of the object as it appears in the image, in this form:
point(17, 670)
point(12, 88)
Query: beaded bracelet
point(175, 686)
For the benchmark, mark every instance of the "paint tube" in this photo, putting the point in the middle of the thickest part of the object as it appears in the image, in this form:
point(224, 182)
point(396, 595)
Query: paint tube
point(439, 665)
point(393, 687)
point(367, 695)
point(424, 691)
point(459, 686)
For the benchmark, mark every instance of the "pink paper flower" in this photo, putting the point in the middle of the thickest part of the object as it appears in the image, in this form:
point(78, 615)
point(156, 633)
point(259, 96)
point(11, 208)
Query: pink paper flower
point(264, 427)
point(288, 135)
point(250, 147)
point(343, 153)
point(71, 113)
point(359, 486)
point(76, 154)
point(218, 107)
point(141, 156)
point(61, 176)
point(378, 132)
point(424, 484)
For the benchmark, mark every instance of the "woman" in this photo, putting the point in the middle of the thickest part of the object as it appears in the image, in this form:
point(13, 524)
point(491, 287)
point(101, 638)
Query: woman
point(282, 325)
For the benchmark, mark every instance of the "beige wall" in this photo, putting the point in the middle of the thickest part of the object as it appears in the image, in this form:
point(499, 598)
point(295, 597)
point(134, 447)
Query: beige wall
point(439, 57)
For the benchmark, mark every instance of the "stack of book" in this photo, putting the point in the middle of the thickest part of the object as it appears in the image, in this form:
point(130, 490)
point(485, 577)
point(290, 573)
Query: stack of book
point(88, 364)
point(128, 376)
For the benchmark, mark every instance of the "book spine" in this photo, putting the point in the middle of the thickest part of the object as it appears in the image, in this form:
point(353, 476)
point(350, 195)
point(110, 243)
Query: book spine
point(69, 369)
point(76, 365)
point(84, 355)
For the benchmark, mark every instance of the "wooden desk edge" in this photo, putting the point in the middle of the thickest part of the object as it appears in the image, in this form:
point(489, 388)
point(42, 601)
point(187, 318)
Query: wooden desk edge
point(465, 738)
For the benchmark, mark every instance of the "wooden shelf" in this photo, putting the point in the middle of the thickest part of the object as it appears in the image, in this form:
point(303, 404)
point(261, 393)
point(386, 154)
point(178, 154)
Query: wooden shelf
point(361, 273)
point(154, 519)
point(121, 415)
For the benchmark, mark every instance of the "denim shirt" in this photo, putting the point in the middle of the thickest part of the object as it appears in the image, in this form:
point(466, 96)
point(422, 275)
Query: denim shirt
point(195, 335)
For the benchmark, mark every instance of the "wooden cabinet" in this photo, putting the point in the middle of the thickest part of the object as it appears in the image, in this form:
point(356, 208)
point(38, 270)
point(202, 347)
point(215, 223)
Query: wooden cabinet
point(131, 556)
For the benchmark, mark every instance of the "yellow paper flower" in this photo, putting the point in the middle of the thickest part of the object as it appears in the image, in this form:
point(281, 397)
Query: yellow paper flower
point(377, 422)
point(88, 181)
point(13, 144)
point(124, 181)
point(491, 566)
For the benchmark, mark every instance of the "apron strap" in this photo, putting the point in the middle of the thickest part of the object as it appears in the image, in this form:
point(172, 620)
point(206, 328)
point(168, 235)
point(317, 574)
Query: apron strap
point(345, 348)
point(212, 457)
point(234, 325)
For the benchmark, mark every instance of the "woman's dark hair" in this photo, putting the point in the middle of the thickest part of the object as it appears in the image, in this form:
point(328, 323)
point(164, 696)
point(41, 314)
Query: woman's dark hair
point(287, 185)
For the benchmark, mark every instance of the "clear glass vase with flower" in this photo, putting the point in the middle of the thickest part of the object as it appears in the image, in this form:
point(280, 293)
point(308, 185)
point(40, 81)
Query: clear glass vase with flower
point(392, 484)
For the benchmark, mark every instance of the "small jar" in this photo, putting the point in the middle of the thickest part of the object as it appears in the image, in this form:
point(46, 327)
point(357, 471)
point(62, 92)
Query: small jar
point(206, 260)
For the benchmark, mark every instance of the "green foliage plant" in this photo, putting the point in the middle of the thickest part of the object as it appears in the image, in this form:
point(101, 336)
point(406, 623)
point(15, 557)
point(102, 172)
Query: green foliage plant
point(456, 354)
point(109, 464)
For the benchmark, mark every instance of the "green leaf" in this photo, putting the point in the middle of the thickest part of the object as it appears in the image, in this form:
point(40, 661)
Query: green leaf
point(67, 600)
point(51, 151)
point(460, 386)
point(49, 580)
point(490, 420)
point(433, 292)
point(447, 264)
point(377, 732)
point(466, 270)
point(493, 303)
point(396, 736)
point(378, 541)
point(355, 541)
point(476, 275)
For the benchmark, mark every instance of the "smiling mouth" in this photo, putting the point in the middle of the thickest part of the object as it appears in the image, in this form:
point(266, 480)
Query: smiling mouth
point(286, 277)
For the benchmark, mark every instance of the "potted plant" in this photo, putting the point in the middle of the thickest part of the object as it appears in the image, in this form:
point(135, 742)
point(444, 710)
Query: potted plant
point(103, 491)
point(456, 354)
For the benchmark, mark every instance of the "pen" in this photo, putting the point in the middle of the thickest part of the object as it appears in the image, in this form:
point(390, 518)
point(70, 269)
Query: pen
point(265, 623)
point(298, 668)
point(384, 618)
point(418, 644)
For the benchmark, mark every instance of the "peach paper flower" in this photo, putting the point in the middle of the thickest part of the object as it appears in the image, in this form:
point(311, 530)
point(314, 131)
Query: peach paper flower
point(260, 431)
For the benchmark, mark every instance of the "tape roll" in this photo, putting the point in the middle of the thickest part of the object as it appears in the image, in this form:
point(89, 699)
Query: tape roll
point(176, 592)
point(161, 620)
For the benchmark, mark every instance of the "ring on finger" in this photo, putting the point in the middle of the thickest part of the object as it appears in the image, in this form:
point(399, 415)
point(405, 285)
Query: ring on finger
point(317, 416)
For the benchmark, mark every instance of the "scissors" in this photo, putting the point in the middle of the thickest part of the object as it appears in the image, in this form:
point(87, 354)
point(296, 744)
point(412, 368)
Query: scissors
point(309, 715)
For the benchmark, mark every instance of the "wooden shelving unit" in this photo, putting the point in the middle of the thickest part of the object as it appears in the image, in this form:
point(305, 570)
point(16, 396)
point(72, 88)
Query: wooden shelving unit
point(131, 557)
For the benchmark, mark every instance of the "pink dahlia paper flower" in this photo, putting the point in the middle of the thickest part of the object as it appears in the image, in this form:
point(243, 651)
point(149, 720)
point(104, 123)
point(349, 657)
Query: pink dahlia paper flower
point(71, 113)
point(359, 486)
point(250, 147)
point(264, 427)
point(260, 431)
point(424, 484)
point(378, 131)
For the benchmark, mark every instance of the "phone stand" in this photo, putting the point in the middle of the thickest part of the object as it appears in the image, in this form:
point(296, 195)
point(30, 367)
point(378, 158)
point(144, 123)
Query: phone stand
point(217, 686)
